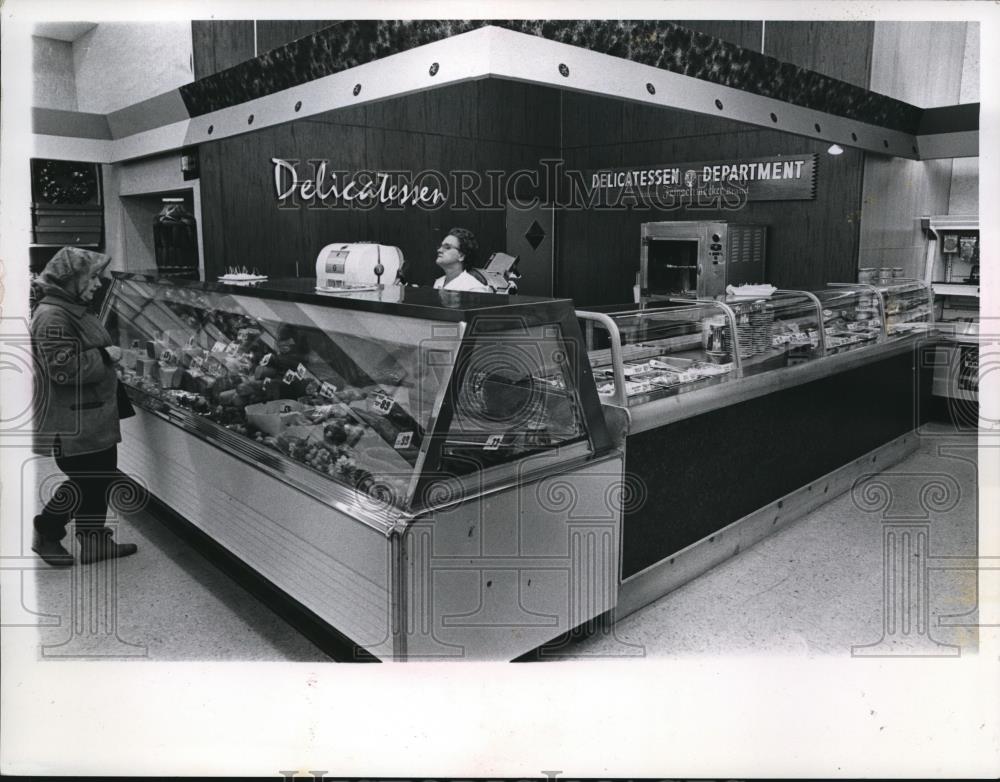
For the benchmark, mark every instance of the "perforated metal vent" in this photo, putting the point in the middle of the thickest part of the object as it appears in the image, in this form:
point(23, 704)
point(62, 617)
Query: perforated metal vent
point(747, 244)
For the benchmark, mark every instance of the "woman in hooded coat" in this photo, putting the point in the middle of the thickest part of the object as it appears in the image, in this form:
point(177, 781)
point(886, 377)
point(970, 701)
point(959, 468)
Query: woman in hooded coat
point(76, 408)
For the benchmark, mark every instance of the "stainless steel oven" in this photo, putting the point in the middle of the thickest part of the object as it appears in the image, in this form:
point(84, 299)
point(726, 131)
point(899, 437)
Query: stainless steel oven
point(698, 259)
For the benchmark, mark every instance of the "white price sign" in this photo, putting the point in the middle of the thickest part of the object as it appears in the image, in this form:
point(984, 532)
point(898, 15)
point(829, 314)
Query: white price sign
point(493, 442)
point(380, 404)
point(327, 389)
point(403, 440)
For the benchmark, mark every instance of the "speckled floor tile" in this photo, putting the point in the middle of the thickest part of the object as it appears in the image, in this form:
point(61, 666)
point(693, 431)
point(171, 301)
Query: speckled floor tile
point(170, 603)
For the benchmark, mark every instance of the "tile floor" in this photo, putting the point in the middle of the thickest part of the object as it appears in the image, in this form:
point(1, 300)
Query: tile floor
point(814, 588)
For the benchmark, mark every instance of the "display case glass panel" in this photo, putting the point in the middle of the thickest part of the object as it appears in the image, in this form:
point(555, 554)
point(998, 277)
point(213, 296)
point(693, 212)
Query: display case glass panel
point(908, 306)
point(512, 394)
point(852, 317)
point(370, 398)
point(782, 329)
point(670, 348)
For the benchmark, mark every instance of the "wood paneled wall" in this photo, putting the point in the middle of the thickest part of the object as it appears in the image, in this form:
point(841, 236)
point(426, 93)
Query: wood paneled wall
point(810, 243)
point(493, 125)
point(476, 126)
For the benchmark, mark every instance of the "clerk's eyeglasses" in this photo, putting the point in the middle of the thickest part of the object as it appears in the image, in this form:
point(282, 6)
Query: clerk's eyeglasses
point(446, 246)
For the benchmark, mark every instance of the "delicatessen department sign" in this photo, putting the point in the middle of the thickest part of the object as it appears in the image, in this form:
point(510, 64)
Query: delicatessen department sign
point(778, 178)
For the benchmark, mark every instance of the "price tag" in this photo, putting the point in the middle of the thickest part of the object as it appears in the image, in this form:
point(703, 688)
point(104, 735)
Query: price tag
point(301, 371)
point(380, 404)
point(219, 346)
point(232, 348)
point(403, 440)
point(493, 442)
point(167, 356)
point(267, 382)
point(327, 389)
point(286, 408)
point(266, 360)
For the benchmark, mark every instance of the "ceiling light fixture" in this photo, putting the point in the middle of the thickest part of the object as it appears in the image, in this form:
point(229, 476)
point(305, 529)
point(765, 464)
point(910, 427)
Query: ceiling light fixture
point(835, 149)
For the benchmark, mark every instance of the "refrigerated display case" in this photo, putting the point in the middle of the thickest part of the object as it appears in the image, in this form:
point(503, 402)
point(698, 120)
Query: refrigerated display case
point(810, 392)
point(673, 347)
point(371, 451)
point(853, 316)
point(781, 329)
point(908, 307)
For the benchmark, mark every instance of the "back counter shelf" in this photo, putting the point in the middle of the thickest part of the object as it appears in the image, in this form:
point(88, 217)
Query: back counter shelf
point(729, 443)
point(386, 458)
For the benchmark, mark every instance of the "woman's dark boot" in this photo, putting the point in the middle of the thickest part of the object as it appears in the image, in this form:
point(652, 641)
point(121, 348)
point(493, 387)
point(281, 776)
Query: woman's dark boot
point(96, 545)
point(51, 551)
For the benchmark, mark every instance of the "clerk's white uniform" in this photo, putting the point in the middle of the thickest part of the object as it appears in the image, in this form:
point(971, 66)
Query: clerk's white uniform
point(463, 282)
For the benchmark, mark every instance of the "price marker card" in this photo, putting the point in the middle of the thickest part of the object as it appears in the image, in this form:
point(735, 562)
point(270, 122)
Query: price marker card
point(219, 346)
point(403, 440)
point(327, 389)
point(266, 360)
point(232, 348)
point(493, 442)
point(301, 371)
point(380, 404)
point(291, 377)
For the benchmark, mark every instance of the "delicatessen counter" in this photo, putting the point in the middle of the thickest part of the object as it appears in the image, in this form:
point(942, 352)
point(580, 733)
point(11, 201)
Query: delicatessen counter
point(441, 475)
point(347, 448)
point(743, 414)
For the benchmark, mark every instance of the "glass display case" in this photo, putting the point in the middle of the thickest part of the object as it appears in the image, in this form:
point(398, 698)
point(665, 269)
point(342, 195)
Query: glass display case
point(908, 306)
point(385, 393)
point(782, 329)
point(852, 316)
point(672, 347)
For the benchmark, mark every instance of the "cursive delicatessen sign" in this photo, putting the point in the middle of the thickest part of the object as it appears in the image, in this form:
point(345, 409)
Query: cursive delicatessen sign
point(777, 178)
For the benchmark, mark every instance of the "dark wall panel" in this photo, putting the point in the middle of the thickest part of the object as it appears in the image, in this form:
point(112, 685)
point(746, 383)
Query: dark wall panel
point(476, 127)
point(217, 45)
point(274, 33)
point(842, 50)
point(743, 33)
point(810, 242)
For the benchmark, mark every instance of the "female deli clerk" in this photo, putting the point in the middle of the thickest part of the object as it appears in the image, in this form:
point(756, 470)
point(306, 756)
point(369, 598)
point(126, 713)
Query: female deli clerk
point(456, 252)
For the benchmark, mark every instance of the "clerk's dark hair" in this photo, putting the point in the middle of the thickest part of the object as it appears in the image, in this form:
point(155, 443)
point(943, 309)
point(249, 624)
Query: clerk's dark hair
point(467, 245)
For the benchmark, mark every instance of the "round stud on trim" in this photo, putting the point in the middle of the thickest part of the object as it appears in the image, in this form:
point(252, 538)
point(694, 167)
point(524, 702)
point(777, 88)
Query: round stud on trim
point(250, 120)
point(434, 69)
point(885, 143)
point(854, 137)
point(211, 129)
point(774, 117)
point(357, 89)
point(915, 150)
point(564, 69)
point(818, 128)
point(718, 104)
point(298, 105)
point(650, 88)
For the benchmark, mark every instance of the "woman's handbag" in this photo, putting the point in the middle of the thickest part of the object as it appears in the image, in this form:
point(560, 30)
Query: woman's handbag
point(125, 409)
